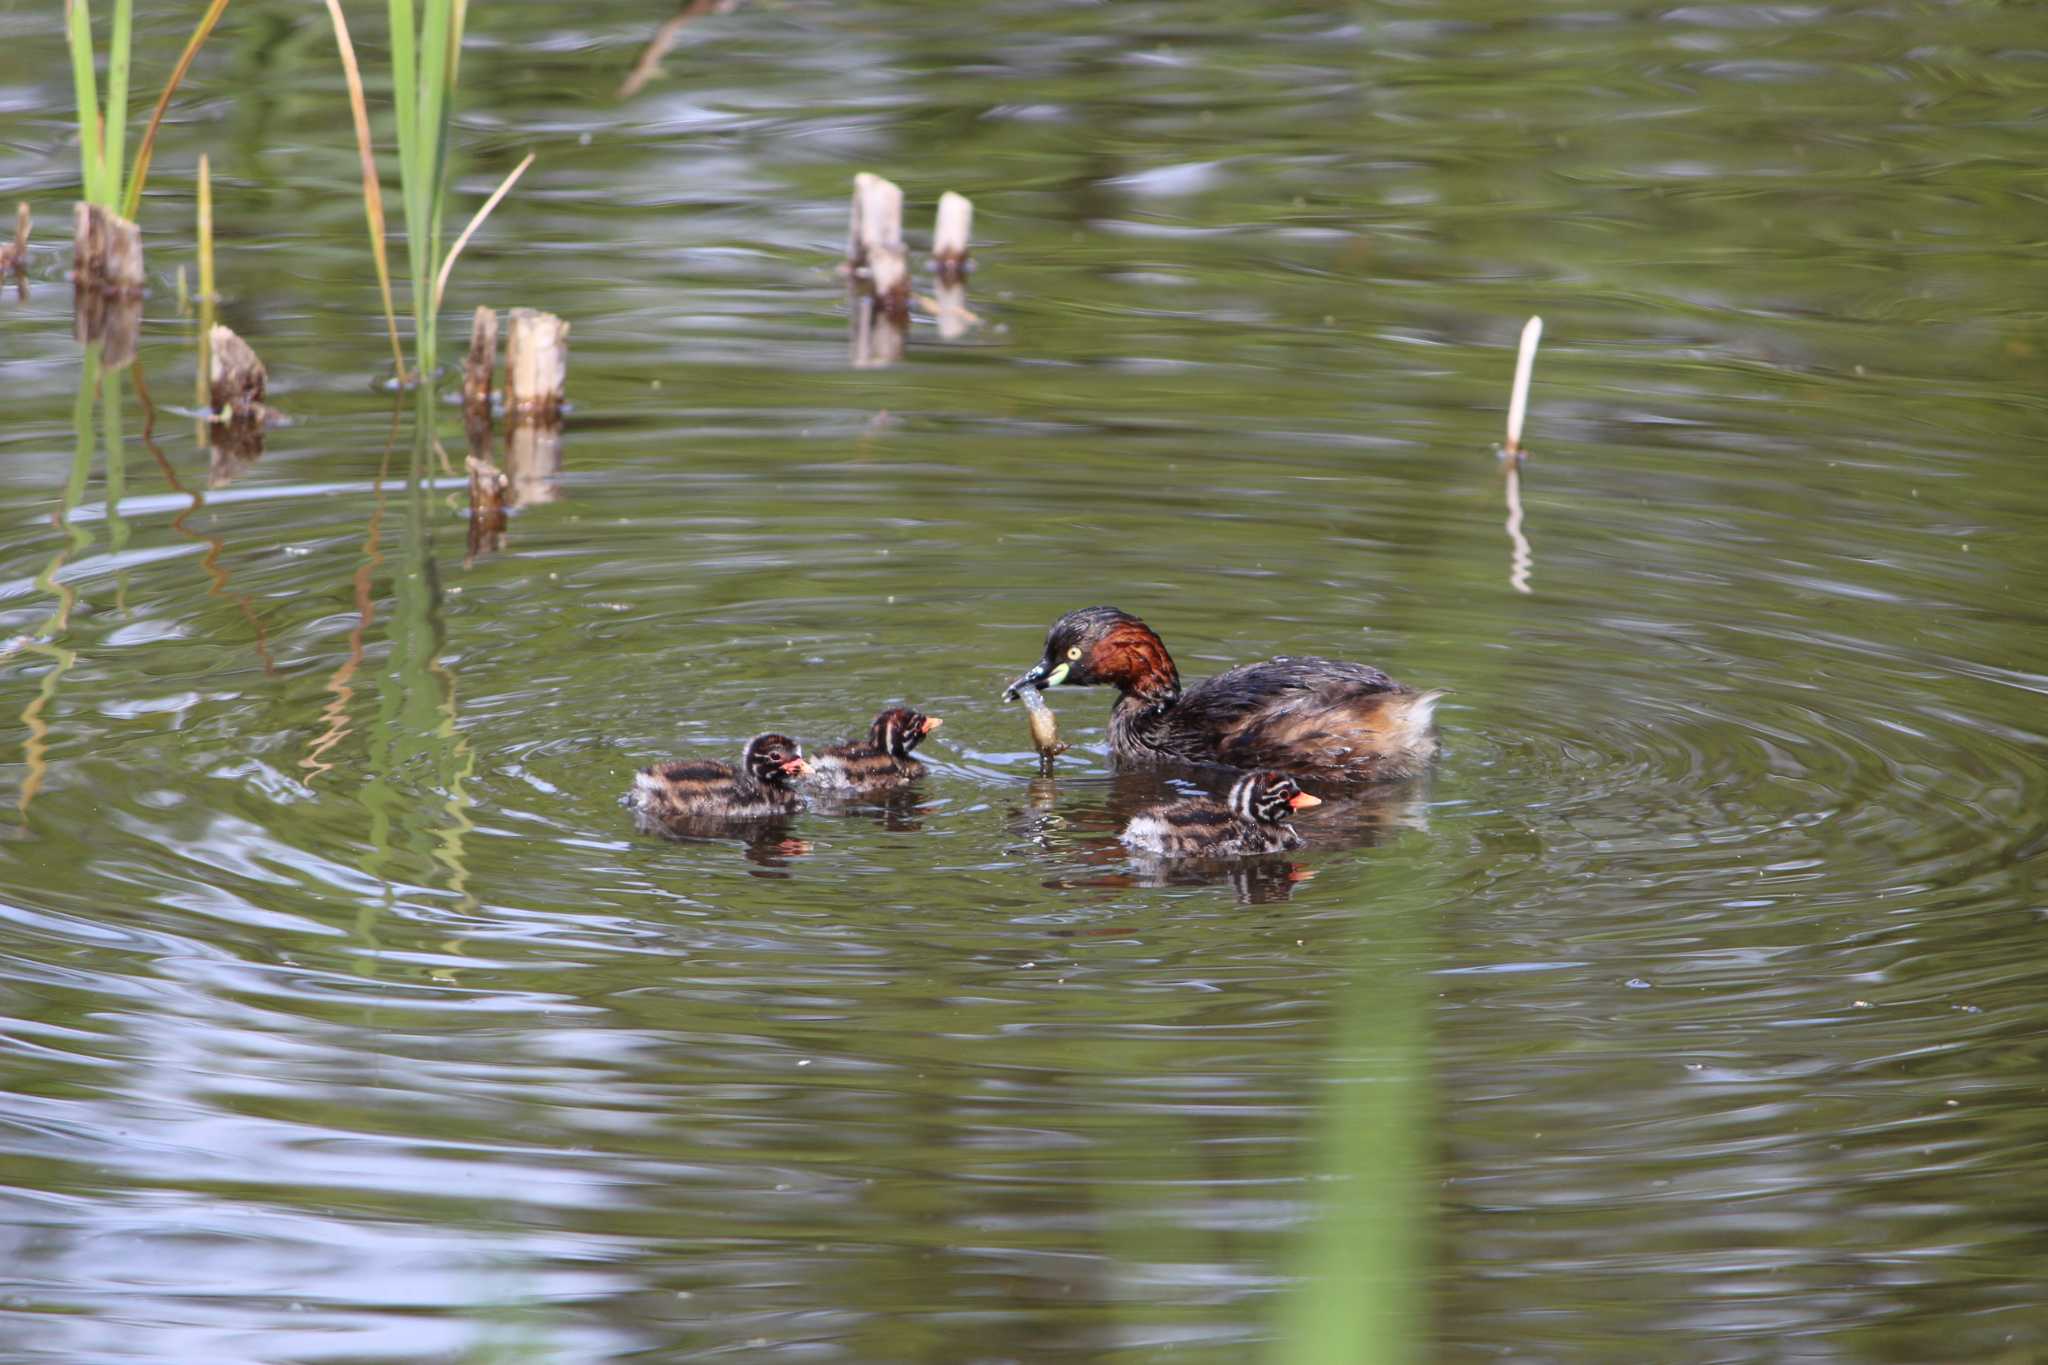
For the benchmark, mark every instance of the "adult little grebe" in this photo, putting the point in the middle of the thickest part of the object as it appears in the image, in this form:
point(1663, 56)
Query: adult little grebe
point(1251, 820)
point(1323, 718)
point(883, 761)
point(705, 791)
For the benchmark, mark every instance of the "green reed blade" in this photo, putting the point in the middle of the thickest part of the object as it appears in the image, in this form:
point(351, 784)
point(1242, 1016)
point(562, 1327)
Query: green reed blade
point(405, 97)
point(85, 91)
point(432, 112)
point(115, 147)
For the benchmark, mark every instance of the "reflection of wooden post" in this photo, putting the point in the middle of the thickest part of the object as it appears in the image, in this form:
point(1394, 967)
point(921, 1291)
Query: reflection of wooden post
point(479, 369)
point(536, 364)
point(486, 505)
point(533, 460)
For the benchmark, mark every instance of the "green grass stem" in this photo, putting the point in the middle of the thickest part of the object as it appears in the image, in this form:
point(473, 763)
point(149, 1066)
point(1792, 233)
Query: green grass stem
point(92, 161)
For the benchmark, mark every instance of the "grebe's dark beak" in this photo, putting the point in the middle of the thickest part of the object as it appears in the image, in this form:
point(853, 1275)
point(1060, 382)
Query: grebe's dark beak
point(1041, 676)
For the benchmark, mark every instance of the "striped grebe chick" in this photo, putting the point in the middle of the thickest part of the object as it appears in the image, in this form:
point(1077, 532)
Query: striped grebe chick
point(1252, 819)
point(703, 791)
point(880, 762)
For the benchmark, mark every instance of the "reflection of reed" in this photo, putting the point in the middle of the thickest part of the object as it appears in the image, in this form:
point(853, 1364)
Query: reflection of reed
point(210, 561)
point(43, 638)
point(416, 713)
point(35, 748)
point(664, 38)
point(1521, 560)
point(335, 713)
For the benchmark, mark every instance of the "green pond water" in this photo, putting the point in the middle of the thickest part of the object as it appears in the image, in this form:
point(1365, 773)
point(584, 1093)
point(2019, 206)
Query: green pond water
point(1694, 1011)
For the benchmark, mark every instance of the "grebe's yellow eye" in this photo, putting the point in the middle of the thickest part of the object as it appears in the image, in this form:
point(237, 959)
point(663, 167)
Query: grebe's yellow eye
point(1074, 653)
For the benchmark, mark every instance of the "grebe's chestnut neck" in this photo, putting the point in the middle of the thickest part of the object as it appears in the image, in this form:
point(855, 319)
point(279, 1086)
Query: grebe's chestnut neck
point(1101, 645)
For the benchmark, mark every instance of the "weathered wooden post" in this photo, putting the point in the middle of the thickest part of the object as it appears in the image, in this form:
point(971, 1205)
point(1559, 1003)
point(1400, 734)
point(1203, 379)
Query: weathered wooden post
point(878, 271)
point(950, 234)
point(536, 374)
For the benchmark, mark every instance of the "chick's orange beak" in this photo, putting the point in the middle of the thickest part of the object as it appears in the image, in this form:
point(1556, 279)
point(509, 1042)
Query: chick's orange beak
point(796, 767)
point(931, 723)
point(1302, 801)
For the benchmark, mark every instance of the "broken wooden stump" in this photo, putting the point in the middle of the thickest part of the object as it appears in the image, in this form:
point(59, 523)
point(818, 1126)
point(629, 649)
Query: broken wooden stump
point(536, 365)
point(14, 255)
point(481, 366)
point(237, 385)
point(878, 270)
point(949, 261)
point(106, 282)
point(106, 250)
point(536, 373)
point(237, 381)
point(955, 224)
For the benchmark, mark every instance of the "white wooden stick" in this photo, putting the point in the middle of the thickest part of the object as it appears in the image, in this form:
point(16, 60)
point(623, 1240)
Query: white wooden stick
point(949, 235)
point(1525, 364)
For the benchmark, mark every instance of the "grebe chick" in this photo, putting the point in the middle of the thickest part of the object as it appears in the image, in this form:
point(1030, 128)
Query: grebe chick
point(883, 761)
point(703, 791)
point(1251, 820)
point(1338, 722)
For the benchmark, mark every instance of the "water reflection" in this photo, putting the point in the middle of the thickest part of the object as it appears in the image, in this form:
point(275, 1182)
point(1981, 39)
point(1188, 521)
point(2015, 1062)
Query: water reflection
point(1521, 559)
point(218, 574)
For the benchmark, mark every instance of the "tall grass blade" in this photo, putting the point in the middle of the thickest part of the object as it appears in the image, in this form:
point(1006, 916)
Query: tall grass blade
point(115, 138)
point(373, 195)
point(405, 94)
point(92, 161)
point(448, 265)
point(146, 149)
point(432, 113)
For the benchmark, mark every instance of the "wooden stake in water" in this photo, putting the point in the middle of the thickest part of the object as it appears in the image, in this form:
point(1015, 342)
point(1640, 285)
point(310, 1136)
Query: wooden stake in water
point(950, 233)
point(536, 365)
point(14, 255)
point(478, 370)
point(949, 258)
point(1518, 401)
point(106, 282)
point(239, 381)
